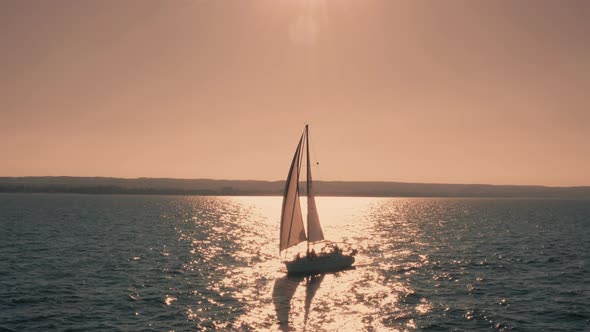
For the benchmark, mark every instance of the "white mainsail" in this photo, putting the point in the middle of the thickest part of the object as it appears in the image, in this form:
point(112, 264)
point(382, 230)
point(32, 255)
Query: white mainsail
point(292, 231)
point(314, 229)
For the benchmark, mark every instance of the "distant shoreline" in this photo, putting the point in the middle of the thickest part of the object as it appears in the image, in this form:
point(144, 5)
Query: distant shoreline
point(163, 186)
point(318, 196)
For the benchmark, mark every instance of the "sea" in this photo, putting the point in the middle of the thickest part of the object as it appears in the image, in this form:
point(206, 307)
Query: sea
point(196, 263)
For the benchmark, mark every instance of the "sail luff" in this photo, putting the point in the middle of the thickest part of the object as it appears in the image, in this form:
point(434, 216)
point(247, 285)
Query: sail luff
point(296, 204)
point(314, 229)
point(291, 230)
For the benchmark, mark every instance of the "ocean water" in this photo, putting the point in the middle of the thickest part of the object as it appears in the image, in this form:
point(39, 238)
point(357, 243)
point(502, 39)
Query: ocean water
point(189, 263)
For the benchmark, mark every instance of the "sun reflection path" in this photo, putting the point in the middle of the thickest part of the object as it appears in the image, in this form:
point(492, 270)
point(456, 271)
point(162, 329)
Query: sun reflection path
point(241, 248)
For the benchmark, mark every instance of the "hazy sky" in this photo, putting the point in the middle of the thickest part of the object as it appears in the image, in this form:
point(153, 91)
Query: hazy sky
point(418, 91)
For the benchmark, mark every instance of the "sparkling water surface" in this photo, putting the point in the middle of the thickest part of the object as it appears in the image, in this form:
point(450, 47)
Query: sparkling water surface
point(188, 263)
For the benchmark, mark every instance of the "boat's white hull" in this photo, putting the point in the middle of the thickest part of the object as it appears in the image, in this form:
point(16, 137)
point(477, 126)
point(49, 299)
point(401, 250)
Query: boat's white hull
point(322, 263)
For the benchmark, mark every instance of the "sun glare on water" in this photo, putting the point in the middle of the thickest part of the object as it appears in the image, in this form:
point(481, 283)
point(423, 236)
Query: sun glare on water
point(342, 301)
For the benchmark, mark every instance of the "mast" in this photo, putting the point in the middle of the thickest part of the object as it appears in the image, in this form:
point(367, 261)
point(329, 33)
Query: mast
point(308, 180)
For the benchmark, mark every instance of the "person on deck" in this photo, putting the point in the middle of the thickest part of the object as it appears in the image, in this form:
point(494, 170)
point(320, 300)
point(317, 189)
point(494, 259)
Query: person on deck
point(336, 249)
point(313, 254)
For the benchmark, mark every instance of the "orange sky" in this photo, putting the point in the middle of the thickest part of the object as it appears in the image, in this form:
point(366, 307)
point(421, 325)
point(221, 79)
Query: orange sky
point(417, 91)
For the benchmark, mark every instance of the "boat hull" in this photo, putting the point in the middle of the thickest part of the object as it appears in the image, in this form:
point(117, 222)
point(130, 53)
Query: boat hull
point(324, 263)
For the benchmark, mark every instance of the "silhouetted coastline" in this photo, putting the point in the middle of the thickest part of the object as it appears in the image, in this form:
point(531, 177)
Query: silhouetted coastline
point(164, 186)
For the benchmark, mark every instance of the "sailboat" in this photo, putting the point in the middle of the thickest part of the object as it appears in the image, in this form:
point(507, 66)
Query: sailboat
point(331, 257)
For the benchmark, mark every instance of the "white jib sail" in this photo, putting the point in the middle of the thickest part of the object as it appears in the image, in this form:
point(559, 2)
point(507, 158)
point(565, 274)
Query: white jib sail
point(314, 229)
point(292, 231)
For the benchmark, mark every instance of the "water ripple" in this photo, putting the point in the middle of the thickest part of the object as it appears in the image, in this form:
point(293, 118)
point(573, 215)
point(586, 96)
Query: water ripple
point(210, 263)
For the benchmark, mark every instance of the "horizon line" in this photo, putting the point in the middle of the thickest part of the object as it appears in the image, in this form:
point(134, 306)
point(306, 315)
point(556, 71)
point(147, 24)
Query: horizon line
point(254, 180)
